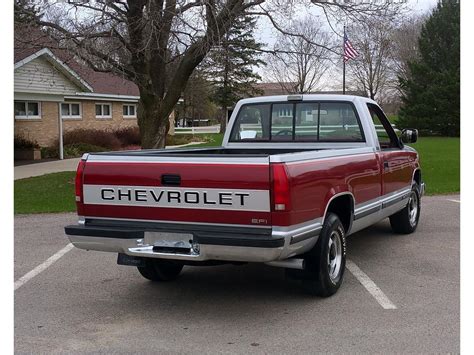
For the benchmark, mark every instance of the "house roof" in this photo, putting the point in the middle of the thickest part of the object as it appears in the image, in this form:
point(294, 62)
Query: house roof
point(31, 41)
point(271, 89)
point(59, 65)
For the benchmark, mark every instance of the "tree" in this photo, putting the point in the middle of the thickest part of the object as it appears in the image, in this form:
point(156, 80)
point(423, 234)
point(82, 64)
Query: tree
point(230, 65)
point(405, 45)
point(297, 64)
point(371, 69)
point(197, 98)
point(431, 94)
point(137, 39)
point(133, 38)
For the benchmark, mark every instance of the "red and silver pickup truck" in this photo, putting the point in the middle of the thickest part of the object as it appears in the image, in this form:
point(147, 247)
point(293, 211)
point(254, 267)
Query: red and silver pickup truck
point(294, 176)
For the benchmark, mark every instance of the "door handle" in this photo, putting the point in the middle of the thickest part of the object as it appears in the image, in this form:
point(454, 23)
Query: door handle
point(385, 165)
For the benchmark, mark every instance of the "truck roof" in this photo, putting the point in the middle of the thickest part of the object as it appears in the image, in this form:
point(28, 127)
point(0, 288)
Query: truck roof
point(305, 97)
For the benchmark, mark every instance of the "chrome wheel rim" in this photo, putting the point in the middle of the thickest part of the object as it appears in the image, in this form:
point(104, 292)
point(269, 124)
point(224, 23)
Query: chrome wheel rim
point(334, 256)
point(413, 208)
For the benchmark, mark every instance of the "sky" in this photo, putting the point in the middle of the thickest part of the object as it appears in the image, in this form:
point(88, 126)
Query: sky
point(266, 33)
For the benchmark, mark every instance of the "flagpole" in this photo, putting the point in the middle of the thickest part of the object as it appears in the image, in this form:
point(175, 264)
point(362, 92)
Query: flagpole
point(343, 63)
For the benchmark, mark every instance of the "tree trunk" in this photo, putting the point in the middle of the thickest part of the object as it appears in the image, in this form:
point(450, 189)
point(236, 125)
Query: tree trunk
point(223, 120)
point(152, 122)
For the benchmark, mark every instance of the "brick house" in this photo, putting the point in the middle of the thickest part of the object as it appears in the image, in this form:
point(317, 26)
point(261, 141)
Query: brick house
point(50, 85)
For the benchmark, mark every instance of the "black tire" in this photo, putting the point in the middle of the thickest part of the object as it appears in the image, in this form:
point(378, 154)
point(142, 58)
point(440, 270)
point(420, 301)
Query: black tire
point(317, 278)
point(406, 220)
point(160, 269)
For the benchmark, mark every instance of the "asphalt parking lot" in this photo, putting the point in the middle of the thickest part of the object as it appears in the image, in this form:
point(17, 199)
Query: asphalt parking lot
point(85, 303)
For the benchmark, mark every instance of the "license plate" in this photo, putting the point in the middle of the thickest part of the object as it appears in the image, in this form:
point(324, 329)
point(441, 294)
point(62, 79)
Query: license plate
point(169, 240)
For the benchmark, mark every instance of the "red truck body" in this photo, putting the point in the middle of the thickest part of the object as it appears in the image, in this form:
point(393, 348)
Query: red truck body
point(312, 184)
point(251, 200)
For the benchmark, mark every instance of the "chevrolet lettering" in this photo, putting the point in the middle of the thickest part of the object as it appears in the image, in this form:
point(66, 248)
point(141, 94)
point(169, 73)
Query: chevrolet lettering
point(295, 175)
point(253, 200)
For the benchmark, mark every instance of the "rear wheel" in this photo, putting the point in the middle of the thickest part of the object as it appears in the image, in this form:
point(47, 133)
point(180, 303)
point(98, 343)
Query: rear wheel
point(406, 220)
point(326, 262)
point(160, 269)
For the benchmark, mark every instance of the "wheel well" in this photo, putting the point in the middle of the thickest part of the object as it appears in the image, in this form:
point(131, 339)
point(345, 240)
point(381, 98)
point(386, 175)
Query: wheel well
point(417, 177)
point(343, 206)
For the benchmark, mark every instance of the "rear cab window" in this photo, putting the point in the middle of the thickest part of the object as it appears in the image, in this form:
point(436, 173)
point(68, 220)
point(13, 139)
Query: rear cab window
point(318, 121)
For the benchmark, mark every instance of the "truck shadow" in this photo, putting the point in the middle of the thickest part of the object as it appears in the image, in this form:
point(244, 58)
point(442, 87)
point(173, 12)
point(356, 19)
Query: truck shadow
point(243, 291)
point(378, 238)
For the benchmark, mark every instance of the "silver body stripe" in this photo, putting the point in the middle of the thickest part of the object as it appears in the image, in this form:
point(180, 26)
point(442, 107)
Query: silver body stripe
point(178, 197)
point(278, 230)
point(368, 205)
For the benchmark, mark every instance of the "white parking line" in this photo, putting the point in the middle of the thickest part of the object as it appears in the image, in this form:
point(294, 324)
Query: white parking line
point(454, 200)
point(40, 268)
point(370, 286)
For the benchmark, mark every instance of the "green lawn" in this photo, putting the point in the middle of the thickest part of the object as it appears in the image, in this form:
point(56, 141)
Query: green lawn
point(55, 192)
point(213, 140)
point(48, 193)
point(440, 163)
point(393, 118)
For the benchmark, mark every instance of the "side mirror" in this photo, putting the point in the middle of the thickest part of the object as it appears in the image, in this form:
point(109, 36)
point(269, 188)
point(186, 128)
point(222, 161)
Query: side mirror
point(409, 135)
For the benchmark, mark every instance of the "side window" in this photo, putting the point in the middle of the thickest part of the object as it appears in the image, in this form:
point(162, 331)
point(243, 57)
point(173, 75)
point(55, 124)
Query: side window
point(338, 122)
point(251, 123)
point(385, 133)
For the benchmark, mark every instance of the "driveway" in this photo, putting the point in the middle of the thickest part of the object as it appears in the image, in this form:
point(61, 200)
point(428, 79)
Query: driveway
point(48, 167)
point(82, 302)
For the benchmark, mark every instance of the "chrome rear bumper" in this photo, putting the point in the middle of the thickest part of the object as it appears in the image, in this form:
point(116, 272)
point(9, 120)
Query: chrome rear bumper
point(135, 247)
point(244, 244)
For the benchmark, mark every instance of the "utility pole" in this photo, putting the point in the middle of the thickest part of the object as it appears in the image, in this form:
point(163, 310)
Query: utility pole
point(60, 127)
point(344, 62)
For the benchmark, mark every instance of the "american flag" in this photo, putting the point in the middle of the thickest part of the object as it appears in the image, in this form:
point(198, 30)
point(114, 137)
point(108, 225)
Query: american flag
point(349, 51)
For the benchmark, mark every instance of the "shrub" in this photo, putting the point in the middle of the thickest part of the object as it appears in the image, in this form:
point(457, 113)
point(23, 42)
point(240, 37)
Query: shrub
point(78, 149)
point(49, 152)
point(21, 142)
point(94, 137)
point(74, 150)
point(128, 136)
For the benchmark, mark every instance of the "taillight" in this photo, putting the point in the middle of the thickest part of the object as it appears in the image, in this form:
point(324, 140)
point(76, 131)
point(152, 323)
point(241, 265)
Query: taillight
point(281, 188)
point(78, 182)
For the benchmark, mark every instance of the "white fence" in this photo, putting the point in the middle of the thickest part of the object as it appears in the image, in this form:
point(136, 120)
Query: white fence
point(197, 130)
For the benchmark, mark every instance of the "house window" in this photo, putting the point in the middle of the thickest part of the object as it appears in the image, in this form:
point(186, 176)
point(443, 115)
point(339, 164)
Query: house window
point(103, 110)
point(130, 111)
point(27, 110)
point(71, 110)
point(285, 112)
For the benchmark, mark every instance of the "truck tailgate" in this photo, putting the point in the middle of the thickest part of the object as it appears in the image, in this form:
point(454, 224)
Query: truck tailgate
point(177, 189)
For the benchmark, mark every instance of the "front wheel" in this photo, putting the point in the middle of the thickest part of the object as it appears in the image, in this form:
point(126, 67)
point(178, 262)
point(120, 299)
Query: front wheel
point(406, 220)
point(160, 269)
point(326, 262)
